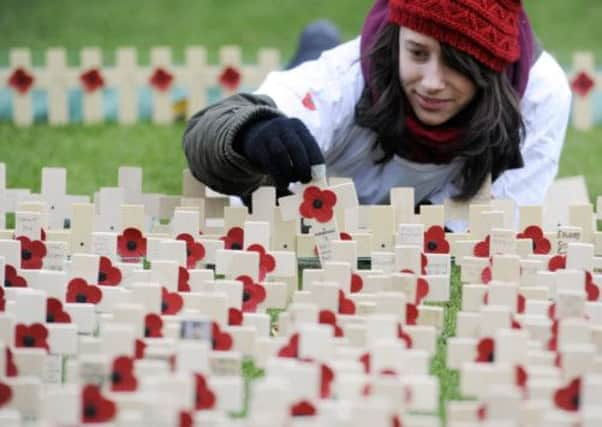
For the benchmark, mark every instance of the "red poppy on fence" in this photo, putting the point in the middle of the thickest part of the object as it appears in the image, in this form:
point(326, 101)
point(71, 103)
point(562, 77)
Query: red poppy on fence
point(11, 367)
point(327, 317)
point(171, 302)
point(108, 275)
point(291, 349)
point(204, 398)
point(183, 277)
point(6, 394)
point(234, 239)
point(235, 317)
point(434, 241)
point(317, 204)
point(557, 262)
point(303, 408)
point(486, 351)
point(481, 249)
point(569, 397)
point(91, 80)
point(21, 80)
point(221, 341)
point(78, 290)
point(153, 326)
point(95, 408)
point(229, 78)
point(195, 251)
point(32, 253)
point(12, 279)
point(346, 306)
point(161, 79)
point(55, 312)
point(267, 263)
point(131, 244)
point(582, 84)
point(33, 336)
point(541, 245)
point(252, 295)
point(122, 375)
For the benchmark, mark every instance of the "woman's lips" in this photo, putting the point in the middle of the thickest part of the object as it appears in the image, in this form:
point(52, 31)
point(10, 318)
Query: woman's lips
point(428, 103)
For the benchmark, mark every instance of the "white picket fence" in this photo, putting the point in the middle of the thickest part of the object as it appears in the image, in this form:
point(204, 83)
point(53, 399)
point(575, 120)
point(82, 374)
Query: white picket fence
point(195, 77)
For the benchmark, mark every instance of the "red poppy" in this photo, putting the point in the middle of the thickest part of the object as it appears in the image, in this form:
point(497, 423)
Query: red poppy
point(357, 283)
point(34, 335)
point(229, 78)
point(582, 84)
point(291, 349)
point(204, 397)
point(153, 326)
point(185, 419)
point(486, 275)
point(55, 313)
point(346, 306)
point(2, 299)
point(32, 253)
point(161, 79)
point(520, 377)
point(569, 397)
point(194, 251)
point(11, 368)
point(515, 324)
point(171, 302)
point(20, 80)
point(482, 413)
point(183, 277)
point(366, 360)
point(521, 303)
point(327, 317)
point(6, 394)
point(252, 294)
point(95, 408)
point(234, 317)
point(541, 245)
point(481, 249)
point(326, 379)
point(139, 347)
point(552, 311)
point(131, 244)
point(107, 274)
point(12, 279)
point(91, 80)
point(434, 241)
point(78, 290)
point(234, 239)
point(486, 350)
point(403, 335)
point(411, 314)
point(317, 204)
point(221, 341)
point(395, 421)
point(267, 263)
point(122, 375)
point(592, 290)
point(422, 289)
point(303, 408)
point(308, 102)
point(557, 262)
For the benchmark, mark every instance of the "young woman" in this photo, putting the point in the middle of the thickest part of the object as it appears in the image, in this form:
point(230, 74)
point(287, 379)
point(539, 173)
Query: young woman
point(436, 95)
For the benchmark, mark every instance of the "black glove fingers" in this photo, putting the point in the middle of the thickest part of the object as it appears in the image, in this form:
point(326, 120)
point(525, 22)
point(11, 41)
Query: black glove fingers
point(298, 155)
point(314, 153)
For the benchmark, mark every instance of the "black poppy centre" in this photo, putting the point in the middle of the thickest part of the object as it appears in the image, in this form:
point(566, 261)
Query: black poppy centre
point(131, 245)
point(26, 254)
point(29, 341)
point(102, 276)
point(317, 203)
point(431, 245)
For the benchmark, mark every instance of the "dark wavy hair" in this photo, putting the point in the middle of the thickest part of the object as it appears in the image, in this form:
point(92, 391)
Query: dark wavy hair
point(492, 122)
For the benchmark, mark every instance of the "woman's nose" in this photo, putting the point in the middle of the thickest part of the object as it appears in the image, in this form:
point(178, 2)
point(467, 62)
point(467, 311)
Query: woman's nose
point(432, 79)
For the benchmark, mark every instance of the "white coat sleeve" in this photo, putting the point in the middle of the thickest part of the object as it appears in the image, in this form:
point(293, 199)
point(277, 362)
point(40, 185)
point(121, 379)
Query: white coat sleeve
point(321, 93)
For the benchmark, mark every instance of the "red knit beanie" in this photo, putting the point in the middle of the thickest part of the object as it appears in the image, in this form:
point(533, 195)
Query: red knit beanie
point(486, 29)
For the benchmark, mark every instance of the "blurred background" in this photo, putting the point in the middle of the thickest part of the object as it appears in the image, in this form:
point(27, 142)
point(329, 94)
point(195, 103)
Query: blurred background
point(92, 154)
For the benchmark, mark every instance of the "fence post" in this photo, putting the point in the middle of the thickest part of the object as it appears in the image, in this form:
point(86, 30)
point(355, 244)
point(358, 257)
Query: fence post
point(20, 62)
point(57, 84)
point(92, 81)
point(195, 79)
point(584, 67)
point(125, 82)
point(162, 74)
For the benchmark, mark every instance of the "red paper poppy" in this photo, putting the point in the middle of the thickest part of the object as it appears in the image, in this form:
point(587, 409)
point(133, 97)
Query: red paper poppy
point(95, 408)
point(161, 79)
point(11, 367)
point(34, 335)
point(91, 80)
point(139, 348)
point(486, 350)
point(303, 408)
point(185, 419)
point(357, 283)
point(12, 279)
point(252, 294)
point(327, 317)
point(515, 324)
point(122, 375)
point(403, 335)
point(204, 397)
point(6, 394)
point(171, 302)
point(221, 341)
point(434, 241)
point(2, 299)
point(131, 244)
point(317, 204)
point(267, 263)
point(78, 290)
point(541, 245)
point(411, 314)
point(592, 290)
point(395, 421)
point(481, 249)
point(153, 326)
point(365, 360)
point(234, 317)
point(482, 413)
point(569, 397)
point(346, 306)
point(107, 274)
point(183, 277)
point(582, 84)
point(234, 239)
point(55, 312)
point(486, 275)
point(552, 311)
point(308, 102)
point(422, 289)
point(32, 253)
point(194, 251)
point(21, 80)
point(291, 349)
point(230, 78)
point(521, 303)
point(520, 377)
point(326, 379)
point(345, 236)
point(557, 262)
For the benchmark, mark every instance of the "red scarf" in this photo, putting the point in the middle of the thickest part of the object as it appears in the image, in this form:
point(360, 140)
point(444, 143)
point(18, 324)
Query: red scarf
point(426, 144)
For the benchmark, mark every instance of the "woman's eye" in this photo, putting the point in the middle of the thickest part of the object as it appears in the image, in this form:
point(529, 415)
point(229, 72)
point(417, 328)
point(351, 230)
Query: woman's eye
point(418, 53)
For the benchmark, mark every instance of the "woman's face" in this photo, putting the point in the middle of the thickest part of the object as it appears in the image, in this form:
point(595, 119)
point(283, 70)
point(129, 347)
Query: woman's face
point(435, 91)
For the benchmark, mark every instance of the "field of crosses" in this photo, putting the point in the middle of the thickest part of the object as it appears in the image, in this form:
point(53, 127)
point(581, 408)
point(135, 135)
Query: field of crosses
point(136, 309)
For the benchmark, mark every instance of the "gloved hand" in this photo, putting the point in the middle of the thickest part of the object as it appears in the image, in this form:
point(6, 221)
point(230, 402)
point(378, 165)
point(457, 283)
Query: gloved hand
point(282, 147)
